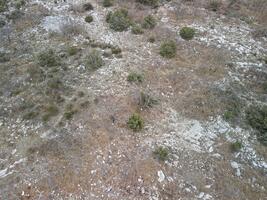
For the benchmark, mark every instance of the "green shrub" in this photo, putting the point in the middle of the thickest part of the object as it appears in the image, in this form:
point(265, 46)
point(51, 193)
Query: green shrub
point(54, 84)
point(187, 33)
point(149, 22)
point(3, 5)
point(161, 153)
point(69, 111)
point(107, 3)
point(135, 77)
point(19, 3)
point(4, 57)
point(135, 122)
point(89, 19)
point(257, 118)
point(88, 6)
point(30, 115)
point(119, 20)
point(115, 50)
point(214, 5)
point(72, 50)
point(137, 29)
point(146, 101)
point(151, 39)
point(236, 146)
point(94, 61)
point(153, 3)
point(50, 111)
point(2, 23)
point(168, 49)
point(48, 59)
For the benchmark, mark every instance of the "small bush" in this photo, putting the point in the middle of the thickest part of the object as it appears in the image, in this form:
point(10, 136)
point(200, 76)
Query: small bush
point(48, 59)
point(94, 60)
point(119, 20)
point(151, 39)
point(4, 57)
point(116, 50)
point(69, 111)
point(149, 22)
point(146, 101)
point(161, 153)
point(187, 33)
point(135, 122)
point(3, 5)
point(30, 115)
point(168, 49)
point(88, 7)
point(236, 146)
point(107, 3)
point(89, 19)
point(257, 118)
point(214, 5)
point(50, 111)
point(2, 23)
point(153, 3)
point(54, 84)
point(72, 50)
point(135, 77)
point(137, 29)
point(19, 3)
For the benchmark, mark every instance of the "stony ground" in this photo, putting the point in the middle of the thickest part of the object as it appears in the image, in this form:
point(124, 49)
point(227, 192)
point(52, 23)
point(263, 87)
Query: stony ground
point(93, 154)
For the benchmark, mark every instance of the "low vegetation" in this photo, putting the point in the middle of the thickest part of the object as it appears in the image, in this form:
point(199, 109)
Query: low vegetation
point(146, 101)
point(214, 5)
point(187, 33)
point(137, 29)
point(94, 60)
point(134, 77)
point(88, 7)
point(153, 3)
point(236, 146)
point(135, 122)
point(48, 58)
point(119, 20)
point(168, 49)
point(50, 111)
point(89, 19)
point(257, 118)
point(161, 153)
point(3, 5)
point(73, 50)
point(149, 22)
point(107, 3)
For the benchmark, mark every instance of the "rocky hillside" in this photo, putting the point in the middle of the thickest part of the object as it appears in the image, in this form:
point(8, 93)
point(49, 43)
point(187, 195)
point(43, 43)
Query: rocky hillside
point(133, 99)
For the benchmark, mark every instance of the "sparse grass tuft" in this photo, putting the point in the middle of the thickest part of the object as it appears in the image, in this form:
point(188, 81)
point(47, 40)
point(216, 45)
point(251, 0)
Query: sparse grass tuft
point(72, 50)
point(236, 146)
point(137, 29)
point(119, 20)
point(48, 59)
point(107, 3)
point(135, 77)
point(3, 5)
point(161, 153)
point(89, 19)
point(116, 50)
point(168, 49)
point(187, 33)
point(94, 61)
point(146, 101)
point(149, 22)
point(50, 111)
point(151, 39)
point(214, 5)
point(153, 3)
point(257, 118)
point(88, 7)
point(135, 122)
